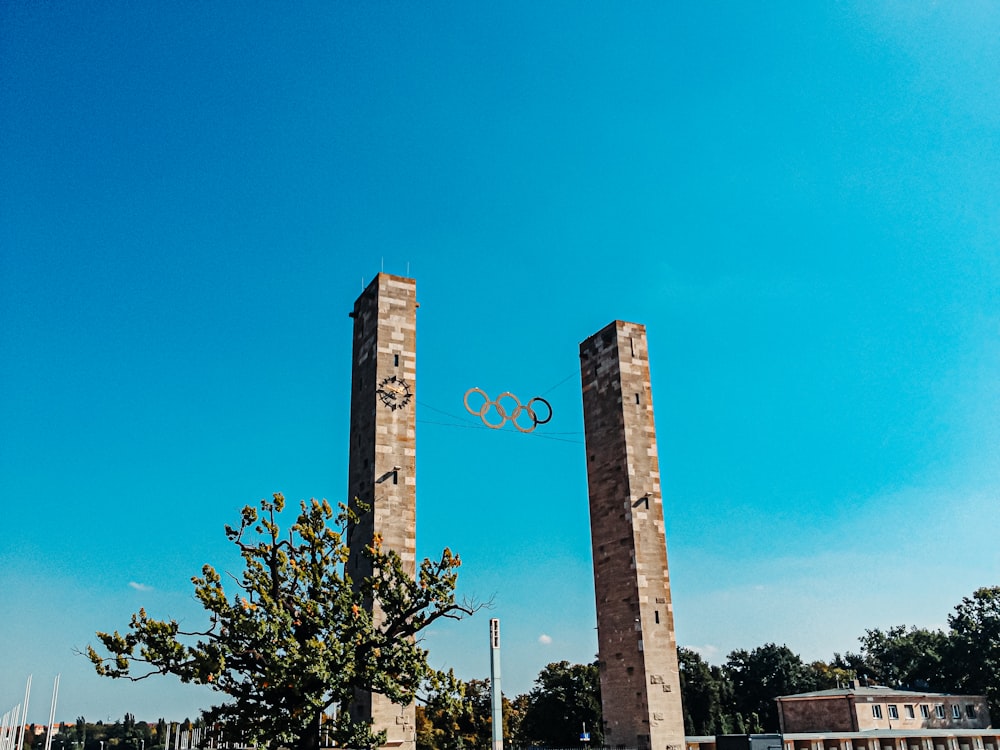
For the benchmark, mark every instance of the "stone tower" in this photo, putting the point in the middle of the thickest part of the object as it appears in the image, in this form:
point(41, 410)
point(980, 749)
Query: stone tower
point(381, 471)
point(637, 647)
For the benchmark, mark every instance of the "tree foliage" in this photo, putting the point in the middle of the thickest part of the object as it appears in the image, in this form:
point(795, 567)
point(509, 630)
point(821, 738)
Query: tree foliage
point(458, 714)
point(565, 697)
point(913, 658)
point(124, 734)
point(299, 636)
point(738, 697)
point(706, 694)
point(761, 675)
point(965, 659)
point(455, 714)
point(974, 648)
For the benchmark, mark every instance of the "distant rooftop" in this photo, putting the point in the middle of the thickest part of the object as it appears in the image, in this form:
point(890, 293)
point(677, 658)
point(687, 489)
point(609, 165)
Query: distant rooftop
point(873, 690)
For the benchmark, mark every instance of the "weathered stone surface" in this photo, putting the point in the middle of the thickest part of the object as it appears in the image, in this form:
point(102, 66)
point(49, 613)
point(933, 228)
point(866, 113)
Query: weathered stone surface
point(640, 683)
point(382, 463)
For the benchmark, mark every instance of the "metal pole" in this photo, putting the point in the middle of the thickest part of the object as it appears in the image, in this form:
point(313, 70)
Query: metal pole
point(496, 697)
point(24, 716)
point(52, 715)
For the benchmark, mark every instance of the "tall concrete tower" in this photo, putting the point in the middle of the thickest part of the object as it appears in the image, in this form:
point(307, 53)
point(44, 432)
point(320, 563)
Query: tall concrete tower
point(381, 472)
point(496, 693)
point(637, 647)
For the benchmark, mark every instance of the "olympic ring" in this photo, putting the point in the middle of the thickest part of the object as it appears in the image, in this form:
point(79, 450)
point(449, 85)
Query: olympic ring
point(506, 415)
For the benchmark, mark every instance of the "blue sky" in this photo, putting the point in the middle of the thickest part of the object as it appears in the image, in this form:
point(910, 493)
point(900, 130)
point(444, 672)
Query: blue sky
point(801, 201)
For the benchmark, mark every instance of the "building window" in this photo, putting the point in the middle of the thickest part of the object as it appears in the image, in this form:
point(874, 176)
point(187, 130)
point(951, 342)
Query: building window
point(939, 710)
point(970, 711)
point(924, 711)
point(877, 711)
point(956, 711)
point(893, 711)
point(909, 712)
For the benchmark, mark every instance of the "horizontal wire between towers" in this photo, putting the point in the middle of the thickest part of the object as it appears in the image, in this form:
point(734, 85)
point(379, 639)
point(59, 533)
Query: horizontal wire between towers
point(483, 427)
point(463, 423)
point(574, 372)
point(463, 420)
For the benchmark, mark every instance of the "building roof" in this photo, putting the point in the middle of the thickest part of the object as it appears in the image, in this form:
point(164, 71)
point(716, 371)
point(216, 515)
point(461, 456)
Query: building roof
point(914, 732)
point(867, 692)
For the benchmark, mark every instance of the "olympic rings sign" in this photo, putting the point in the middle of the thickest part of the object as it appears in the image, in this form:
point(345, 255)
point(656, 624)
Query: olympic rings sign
point(509, 409)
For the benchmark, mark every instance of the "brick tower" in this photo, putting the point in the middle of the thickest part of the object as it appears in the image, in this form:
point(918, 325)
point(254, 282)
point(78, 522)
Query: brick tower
point(381, 472)
point(637, 648)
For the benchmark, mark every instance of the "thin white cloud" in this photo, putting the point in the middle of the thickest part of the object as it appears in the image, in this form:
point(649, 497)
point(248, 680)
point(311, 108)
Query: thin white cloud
point(707, 652)
point(140, 586)
point(545, 639)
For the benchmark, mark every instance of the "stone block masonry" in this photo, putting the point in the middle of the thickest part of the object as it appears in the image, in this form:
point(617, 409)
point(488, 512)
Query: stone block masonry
point(637, 647)
point(382, 457)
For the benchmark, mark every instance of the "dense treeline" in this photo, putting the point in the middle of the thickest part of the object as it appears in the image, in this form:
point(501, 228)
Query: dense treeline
point(736, 696)
point(566, 697)
point(125, 734)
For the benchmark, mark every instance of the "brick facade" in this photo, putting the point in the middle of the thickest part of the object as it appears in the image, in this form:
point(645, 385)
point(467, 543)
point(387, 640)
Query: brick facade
point(382, 463)
point(640, 683)
point(877, 708)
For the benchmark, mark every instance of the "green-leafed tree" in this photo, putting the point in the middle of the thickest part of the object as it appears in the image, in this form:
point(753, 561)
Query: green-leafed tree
point(477, 695)
point(457, 715)
point(423, 730)
point(94, 734)
point(514, 712)
point(913, 658)
point(974, 646)
point(80, 735)
point(760, 676)
point(703, 690)
point(830, 675)
point(445, 718)
point(565, 697)
point(298, 637)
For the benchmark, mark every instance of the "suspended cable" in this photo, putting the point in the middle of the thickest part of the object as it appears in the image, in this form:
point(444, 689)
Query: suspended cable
point(575, 372)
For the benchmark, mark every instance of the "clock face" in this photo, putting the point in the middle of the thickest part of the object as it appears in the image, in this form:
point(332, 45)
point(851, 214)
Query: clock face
point(394, 392)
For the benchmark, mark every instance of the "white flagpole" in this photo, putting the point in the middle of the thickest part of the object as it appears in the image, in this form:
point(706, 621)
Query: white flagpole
point(27, 695)
point(11, 733)
point(5, 726)
point(52, 715)
point(12, 736)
